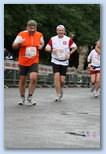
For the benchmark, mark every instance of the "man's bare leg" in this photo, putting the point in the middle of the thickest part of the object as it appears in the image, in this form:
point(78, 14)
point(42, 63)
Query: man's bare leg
point(57, 83)
point(22, 81)
point(32, 85)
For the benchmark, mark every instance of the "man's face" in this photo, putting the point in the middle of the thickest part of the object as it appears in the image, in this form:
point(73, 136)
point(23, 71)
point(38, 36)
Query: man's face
point(31, 29)
point(60, 32)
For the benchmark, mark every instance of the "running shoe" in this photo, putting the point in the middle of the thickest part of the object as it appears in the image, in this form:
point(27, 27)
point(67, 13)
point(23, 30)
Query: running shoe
point(29, 99)
point(96, 94)
point(22, 101)
point(58, 98)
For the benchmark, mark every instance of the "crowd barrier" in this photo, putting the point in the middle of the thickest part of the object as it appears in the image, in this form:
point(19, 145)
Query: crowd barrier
point(45, 79)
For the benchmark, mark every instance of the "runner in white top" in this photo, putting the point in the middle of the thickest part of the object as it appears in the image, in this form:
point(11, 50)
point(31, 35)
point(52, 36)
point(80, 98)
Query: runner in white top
point(61, 47)
point(94, 68)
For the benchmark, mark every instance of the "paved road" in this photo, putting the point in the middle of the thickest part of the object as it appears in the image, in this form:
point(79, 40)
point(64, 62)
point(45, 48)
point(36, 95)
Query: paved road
point(73, 123)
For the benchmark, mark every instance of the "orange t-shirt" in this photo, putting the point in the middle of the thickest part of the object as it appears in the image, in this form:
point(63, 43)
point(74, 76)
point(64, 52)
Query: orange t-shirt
point(31, 41)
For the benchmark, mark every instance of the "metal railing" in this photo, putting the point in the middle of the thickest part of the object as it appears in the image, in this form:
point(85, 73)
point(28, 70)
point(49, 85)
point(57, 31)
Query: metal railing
point(11, 78)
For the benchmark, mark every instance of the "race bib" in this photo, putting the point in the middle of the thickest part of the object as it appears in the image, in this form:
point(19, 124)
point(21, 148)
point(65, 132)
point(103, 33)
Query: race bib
point(61, 54)
point(30, 52)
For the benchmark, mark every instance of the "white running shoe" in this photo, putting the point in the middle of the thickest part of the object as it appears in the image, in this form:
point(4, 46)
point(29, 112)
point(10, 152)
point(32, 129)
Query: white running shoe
point(96, 94)
point(22, 101)
point(58, 98)
point(29, 99)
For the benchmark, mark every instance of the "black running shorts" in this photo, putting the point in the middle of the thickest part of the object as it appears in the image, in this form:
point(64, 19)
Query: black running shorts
point(59, 68)
point(24, 70)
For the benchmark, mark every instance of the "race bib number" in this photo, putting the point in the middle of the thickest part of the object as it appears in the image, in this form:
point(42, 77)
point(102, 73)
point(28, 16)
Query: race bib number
point(30, 52)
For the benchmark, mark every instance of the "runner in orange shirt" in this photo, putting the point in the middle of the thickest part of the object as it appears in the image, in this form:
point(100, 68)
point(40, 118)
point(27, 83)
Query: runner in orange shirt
point(29, 43)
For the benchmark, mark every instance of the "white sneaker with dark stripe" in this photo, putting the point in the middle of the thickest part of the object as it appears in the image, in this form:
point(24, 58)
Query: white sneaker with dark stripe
point(58, 99)
point(22, 101)
point(29, 99)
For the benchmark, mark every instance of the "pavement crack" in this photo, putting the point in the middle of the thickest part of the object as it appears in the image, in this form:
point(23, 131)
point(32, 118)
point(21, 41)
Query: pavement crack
point(76, 134)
